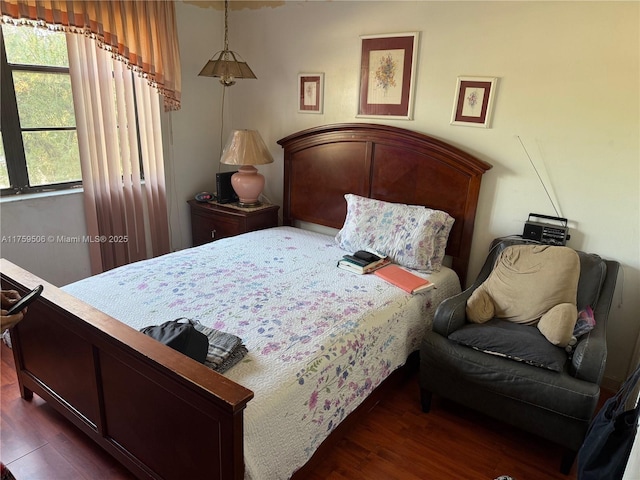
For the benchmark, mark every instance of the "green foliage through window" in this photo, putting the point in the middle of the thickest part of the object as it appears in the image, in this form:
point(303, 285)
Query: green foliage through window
point(39, 128)
point(44, 99)
point(52, 157)
point(27, 45)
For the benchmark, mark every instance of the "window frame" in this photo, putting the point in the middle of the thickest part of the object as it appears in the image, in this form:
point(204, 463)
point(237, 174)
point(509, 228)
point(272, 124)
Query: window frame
point(11, 130)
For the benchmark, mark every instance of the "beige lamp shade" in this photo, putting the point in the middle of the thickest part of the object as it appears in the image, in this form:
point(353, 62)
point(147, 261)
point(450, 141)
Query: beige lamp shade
point(246, 149)
point(228, 66)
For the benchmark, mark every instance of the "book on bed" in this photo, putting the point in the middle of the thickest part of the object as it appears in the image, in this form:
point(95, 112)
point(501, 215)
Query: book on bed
point(404, 279)
point(363, 261)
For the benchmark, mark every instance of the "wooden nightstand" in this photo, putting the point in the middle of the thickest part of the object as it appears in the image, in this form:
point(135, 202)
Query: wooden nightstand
point(213, 221)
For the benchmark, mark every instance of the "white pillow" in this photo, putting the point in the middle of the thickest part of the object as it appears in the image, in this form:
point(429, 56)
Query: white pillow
point(411, 235)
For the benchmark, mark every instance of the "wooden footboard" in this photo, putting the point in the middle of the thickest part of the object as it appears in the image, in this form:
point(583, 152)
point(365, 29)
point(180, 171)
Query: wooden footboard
point(161, 414)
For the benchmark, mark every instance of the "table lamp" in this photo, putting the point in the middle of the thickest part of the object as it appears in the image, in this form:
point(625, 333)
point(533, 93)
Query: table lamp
point(246, 149)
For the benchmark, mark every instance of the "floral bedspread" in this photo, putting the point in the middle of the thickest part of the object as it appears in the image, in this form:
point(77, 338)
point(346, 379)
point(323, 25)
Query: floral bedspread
point(320, 339)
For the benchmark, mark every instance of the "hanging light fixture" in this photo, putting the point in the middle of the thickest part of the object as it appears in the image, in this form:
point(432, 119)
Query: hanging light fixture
point(225, 64)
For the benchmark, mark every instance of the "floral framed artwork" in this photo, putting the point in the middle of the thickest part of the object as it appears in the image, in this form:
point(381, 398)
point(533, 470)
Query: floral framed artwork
point(474, 101)
point(387, 75)
point(310, 92)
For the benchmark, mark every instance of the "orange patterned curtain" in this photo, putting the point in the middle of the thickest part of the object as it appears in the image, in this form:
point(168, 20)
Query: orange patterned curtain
point(142, 34)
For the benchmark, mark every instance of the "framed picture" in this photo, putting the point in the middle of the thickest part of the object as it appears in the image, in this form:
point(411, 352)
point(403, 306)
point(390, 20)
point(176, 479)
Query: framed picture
point(310, 92)
point(387, 75)
point(474, 101)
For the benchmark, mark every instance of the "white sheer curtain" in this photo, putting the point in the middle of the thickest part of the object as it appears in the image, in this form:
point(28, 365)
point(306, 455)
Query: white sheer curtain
point(127, 219)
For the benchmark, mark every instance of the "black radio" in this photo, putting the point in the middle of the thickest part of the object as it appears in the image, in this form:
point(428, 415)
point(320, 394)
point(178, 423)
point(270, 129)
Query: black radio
point(546, 233)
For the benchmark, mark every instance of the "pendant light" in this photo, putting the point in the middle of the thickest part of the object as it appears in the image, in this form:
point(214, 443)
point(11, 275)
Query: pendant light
point(225, 64)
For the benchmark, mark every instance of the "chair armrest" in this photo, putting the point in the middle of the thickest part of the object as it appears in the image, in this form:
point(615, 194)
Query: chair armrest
point(451, 313)
point(590, 355)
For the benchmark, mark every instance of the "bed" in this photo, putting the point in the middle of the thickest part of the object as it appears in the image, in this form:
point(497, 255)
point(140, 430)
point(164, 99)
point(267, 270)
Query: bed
point(308, 368)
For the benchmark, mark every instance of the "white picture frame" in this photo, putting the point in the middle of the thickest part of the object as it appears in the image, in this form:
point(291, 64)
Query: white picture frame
point(473, 101)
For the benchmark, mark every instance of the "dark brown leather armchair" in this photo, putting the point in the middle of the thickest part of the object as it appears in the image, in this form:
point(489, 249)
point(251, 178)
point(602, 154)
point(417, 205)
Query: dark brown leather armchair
point(556, 405)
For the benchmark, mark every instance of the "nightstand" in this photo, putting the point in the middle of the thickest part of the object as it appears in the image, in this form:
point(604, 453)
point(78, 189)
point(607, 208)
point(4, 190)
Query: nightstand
point(213, 221)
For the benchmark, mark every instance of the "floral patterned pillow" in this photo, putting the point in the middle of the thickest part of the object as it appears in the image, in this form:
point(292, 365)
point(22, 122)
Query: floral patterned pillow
point(410, 235)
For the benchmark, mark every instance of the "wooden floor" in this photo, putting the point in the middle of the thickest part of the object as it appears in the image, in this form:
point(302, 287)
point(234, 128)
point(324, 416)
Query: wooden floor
point(396, 441)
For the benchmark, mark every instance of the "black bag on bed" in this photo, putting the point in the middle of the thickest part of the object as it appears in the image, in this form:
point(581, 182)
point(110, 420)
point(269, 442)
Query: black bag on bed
point(182, 336)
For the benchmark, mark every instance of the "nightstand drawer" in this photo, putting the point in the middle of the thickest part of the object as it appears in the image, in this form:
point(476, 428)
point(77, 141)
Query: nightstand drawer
point(211, 222)
point(209, 228)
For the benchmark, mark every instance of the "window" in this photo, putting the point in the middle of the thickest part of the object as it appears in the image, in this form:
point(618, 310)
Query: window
point(38, 147)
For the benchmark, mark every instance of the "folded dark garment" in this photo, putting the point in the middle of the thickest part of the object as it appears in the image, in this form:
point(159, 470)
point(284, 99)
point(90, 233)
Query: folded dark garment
point(225, 349)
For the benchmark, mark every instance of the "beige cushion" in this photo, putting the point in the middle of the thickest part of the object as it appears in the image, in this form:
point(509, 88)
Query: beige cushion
point(480, 306)
point(526, 282)
point(558, 323)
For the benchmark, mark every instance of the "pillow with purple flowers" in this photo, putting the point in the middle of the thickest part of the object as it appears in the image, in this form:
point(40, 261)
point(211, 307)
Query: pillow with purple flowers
point(412, 236)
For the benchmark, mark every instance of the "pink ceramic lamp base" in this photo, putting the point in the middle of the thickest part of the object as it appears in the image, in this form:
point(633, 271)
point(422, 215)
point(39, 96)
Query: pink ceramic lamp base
point(248, 185)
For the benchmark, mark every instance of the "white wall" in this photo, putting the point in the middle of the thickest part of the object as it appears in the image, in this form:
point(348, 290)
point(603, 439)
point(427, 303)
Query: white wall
point(43, 234)
point(568, 88)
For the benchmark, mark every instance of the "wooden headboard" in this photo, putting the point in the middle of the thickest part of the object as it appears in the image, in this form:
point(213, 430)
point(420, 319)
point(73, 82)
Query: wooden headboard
point(386, 163)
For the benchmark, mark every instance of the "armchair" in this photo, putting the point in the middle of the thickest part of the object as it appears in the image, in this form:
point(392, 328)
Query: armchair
point(556, 405)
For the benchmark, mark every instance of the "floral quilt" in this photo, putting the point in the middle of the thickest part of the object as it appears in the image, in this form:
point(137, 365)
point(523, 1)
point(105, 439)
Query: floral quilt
point(319, 338)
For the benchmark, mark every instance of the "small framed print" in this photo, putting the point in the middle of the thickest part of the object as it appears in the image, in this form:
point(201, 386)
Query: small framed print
point(387, 75)
point(474, 101)
point(310, 92)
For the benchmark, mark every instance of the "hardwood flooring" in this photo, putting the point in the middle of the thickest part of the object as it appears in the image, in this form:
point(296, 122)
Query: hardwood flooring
point(395, 441)
point(37, 443)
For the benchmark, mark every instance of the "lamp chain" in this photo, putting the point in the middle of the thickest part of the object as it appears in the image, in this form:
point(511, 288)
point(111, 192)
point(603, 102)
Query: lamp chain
point(226, 25)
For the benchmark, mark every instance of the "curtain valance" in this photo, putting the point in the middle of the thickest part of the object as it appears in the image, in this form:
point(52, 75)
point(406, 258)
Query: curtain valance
point(142, 34)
